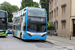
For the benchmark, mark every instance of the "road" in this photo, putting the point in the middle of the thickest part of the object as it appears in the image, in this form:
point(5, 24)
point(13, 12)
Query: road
point(12, 43)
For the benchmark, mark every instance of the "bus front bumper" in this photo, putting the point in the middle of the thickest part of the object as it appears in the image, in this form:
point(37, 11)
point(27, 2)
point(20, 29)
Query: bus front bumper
point(34, 37)
point(2, 34)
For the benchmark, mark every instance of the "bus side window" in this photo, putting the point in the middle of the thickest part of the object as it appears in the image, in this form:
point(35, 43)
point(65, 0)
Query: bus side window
point(14, 27)
point(24, 28)
point(5, 14)
point(19, 27)
point(24, 12)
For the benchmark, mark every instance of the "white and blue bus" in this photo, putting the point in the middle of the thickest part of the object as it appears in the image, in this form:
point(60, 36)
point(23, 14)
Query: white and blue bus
point(30, 24)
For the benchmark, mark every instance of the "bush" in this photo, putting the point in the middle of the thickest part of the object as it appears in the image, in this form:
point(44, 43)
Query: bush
point(51, 26)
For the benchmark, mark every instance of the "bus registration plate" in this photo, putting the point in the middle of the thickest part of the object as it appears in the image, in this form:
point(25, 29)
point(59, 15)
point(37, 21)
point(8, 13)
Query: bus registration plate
point(36, 39)
point(37, 34)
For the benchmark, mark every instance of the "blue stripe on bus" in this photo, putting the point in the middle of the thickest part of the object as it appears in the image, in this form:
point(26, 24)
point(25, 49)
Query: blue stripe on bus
point(26, 17)
point(26, 21)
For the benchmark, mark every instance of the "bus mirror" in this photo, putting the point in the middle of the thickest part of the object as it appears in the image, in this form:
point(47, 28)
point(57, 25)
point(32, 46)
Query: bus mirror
point(24, 9)
point(24, 24)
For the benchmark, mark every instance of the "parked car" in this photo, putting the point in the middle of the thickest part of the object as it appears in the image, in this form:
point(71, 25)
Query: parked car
point(9, 30)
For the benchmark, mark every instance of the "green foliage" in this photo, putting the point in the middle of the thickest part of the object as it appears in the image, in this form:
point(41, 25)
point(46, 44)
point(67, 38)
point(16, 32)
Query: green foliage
point(9, 8)
point(28, 3)
point(25, 3)
point(50, 26)
point(15, 8)
point(35, 4)
point(45, 4)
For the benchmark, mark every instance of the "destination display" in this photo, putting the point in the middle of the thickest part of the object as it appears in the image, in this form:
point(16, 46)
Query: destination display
point(37, 19)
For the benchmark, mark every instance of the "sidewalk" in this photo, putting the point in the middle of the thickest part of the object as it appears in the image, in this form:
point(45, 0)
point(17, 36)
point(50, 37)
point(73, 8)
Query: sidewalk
point(61, 41)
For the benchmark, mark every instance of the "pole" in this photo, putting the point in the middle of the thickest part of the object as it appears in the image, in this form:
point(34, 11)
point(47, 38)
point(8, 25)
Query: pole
point(55, 13)
point(70, 37)
point(70, 17)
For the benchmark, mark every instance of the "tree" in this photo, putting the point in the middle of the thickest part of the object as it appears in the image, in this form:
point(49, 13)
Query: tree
point(9, 8)
point(15, 8)
point(25, 3)
point(28, 3)
point(45, 4)
point(35, 4)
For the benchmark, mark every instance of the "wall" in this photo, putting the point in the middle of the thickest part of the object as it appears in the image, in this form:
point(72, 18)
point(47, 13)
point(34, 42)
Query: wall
point(60, 17)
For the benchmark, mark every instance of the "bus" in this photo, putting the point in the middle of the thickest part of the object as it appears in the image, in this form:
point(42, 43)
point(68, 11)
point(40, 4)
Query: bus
point(3, 23)
point(30, 23)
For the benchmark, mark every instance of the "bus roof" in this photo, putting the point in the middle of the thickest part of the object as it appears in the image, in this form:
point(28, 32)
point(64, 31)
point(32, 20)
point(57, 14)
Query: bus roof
point(20, 12)
point(35, 7)
point(33, 11)
point(3, 10)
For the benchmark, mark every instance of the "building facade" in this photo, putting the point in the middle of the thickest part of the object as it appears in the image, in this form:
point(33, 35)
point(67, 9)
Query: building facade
point(62, 12)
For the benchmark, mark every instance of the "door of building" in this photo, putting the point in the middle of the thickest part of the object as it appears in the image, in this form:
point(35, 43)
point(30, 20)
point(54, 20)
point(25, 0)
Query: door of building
point(74, 27)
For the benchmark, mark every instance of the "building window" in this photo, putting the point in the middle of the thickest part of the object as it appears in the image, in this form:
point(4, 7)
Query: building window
point(52, 3)
point(56, 24)
point(63, 8)
point(52, 14)
point(57, 0)
point(57, 11)
point(64, 24)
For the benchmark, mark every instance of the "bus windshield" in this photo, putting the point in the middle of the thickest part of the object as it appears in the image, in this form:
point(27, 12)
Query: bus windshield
point(2, 14)
point(3, 20)
point(36, 12)
point(36, 27)
point(2, 24)
point(36, 20)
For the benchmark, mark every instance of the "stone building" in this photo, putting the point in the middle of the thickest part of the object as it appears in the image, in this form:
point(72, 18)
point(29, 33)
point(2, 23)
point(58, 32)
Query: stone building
point(65, 16)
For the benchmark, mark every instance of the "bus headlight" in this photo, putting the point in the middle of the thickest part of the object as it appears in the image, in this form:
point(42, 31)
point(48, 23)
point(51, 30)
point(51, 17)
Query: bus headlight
point(43, 35)
point(29, 34)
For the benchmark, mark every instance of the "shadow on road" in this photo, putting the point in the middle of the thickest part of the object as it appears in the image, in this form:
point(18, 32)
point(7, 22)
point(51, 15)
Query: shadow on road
point(2, 37)
point(33, 41)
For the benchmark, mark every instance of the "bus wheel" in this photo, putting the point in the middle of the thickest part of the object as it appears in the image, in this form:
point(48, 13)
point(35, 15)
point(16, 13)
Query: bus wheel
point(20, 35)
